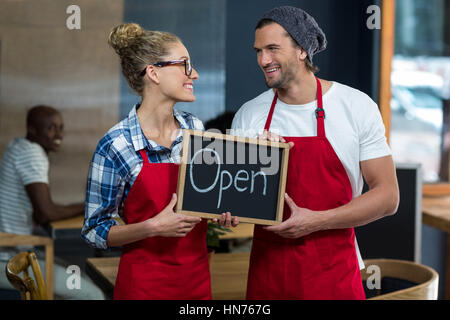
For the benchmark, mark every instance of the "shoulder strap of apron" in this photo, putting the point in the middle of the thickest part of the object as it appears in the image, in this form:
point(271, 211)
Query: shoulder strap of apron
point(144, 155)
point(272, 108)
point(320, 112)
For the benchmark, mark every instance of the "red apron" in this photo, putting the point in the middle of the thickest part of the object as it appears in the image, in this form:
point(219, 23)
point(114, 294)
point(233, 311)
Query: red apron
point(161, 268)
point(321, 265)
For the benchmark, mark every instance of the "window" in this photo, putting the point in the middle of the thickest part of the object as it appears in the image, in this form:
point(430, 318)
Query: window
point(420, 83)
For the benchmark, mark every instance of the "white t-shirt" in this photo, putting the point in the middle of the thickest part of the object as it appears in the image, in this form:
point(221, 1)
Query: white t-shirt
point(353, 126)
point(23, 162)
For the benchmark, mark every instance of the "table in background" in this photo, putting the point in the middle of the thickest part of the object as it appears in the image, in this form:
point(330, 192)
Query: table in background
point(436, 213)
point(228, 274)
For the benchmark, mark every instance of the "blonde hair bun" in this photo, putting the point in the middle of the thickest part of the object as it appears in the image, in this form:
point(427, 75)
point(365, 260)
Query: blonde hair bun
point(123, 36)
point(137, 48)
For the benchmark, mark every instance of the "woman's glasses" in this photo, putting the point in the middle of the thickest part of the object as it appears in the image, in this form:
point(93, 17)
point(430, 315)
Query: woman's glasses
point(187, 65)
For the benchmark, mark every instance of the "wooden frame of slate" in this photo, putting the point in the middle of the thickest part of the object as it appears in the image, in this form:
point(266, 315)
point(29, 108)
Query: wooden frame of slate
point(220, 173)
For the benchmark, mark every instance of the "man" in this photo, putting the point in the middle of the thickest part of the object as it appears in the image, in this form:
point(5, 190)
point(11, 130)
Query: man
point(25, 200)
point(24, 192)
point(336, 137)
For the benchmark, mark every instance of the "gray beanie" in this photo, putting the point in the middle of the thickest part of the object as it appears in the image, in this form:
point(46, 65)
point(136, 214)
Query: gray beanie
point(301, 26)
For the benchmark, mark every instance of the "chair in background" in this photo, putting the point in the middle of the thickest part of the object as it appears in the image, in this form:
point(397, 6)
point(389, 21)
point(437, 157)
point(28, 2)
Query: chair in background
point(14, 240)
point(402, 280)
point(29, 290)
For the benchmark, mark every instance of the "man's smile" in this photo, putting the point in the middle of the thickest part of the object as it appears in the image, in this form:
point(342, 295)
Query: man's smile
point(272, 70)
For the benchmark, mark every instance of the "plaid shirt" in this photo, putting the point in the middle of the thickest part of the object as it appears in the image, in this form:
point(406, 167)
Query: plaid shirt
point(115, 166)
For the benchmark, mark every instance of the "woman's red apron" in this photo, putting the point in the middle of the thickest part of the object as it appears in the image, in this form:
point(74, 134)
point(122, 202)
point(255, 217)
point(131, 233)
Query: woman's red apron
point(162, 268)
point(321, 265)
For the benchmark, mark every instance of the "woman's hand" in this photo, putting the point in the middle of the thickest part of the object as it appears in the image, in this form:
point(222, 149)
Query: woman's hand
point(168, 223)
point(227, 220)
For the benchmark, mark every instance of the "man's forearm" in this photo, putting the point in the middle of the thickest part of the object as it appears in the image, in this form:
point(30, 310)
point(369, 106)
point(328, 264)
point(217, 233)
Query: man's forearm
point(370, 206)
point(44, 210)
point(56, 212)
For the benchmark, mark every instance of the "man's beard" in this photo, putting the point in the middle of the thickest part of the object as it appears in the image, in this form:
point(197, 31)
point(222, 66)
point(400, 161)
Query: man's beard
point(286, 77)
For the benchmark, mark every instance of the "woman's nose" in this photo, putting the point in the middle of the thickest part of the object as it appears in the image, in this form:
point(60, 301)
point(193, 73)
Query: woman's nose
point(194, 75)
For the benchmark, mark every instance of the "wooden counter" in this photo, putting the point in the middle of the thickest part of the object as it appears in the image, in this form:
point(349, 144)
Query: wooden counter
point(436, 213)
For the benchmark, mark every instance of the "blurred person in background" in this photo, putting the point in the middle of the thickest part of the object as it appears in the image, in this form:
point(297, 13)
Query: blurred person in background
point(25, 200)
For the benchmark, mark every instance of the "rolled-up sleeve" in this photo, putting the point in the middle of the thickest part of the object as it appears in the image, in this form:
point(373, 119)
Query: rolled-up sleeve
point(101, 201)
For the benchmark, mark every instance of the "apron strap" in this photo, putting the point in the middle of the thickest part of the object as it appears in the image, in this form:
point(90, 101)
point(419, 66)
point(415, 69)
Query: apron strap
point(320, 112)
point(272, 108)
point(144, 155)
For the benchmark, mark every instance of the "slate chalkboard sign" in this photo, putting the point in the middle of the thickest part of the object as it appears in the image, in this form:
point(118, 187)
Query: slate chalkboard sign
point(220, 173)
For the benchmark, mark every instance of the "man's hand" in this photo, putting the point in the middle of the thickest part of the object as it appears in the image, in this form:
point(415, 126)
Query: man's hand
point(301, 222)
point(267, 135)
point(381, 200)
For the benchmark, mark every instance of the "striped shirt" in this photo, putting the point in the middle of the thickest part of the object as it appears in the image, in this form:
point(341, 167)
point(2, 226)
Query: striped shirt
point(115, 166)
point(23, 162)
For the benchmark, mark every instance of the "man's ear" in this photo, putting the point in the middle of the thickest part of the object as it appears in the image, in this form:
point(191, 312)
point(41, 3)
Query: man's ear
point(302, 54)
point(152, 74)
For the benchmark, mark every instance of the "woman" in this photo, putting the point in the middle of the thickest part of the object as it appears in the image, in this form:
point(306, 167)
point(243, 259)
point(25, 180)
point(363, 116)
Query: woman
point(134, 173)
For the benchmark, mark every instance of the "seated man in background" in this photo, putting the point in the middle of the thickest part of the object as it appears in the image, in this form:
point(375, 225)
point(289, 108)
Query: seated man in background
point(25, 200)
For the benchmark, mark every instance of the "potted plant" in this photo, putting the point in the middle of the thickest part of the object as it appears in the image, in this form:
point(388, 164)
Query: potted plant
point(212, 236)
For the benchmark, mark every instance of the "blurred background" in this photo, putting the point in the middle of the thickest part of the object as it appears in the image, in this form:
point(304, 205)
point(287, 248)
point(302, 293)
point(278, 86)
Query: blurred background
point(42, 61)
point(421, 86)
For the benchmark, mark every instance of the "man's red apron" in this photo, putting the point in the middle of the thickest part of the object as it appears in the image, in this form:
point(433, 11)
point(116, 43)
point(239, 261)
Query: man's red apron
point(162, 268)
point(321, 265)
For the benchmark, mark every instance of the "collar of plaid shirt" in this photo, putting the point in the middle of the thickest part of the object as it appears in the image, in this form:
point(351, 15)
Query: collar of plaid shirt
point(137, 135)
